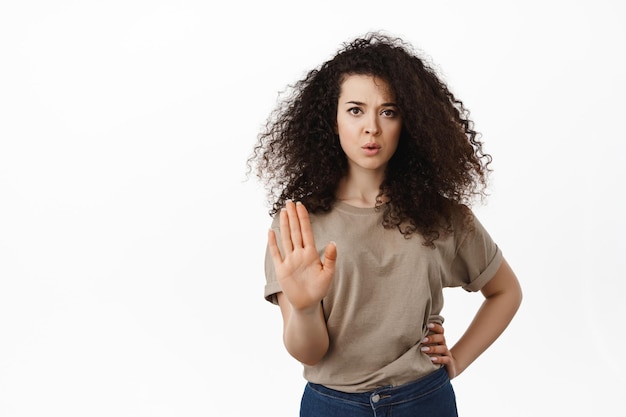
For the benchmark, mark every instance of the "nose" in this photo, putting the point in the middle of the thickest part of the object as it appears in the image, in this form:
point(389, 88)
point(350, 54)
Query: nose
point(372, 126)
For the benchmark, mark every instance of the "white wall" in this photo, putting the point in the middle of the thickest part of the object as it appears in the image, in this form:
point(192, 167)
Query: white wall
point(131, 248)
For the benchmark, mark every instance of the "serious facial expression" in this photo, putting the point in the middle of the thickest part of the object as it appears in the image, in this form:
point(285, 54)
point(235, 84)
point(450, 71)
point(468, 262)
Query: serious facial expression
point(368, 122)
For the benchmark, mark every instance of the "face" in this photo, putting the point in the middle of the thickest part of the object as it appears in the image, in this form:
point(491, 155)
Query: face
point(368, 123)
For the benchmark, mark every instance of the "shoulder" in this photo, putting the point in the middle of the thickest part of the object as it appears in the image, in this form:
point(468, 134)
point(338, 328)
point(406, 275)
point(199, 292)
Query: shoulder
point(467, 228)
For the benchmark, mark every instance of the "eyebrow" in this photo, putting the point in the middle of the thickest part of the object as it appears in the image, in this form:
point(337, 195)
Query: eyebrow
point(360, 103)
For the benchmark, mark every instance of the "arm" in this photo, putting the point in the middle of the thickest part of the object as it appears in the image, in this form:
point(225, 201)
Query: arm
point(304, 332)
point(503, 296)
point(304, 280)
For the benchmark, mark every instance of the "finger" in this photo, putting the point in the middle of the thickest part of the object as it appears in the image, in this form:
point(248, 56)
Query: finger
point(273, 247)
point(435, 350)
point(435, 328)
point(330, 256)
point(444, 360)
point(305, 225)
point(434, 339)
point(294, 225)
point(285, 234)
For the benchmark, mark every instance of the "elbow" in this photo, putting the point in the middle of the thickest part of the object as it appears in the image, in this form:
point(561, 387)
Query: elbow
point(518, 295)
point(514, 296)
point(308, 356)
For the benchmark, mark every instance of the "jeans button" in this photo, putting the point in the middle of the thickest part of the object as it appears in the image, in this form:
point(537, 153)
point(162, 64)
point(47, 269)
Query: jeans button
point(375, 398)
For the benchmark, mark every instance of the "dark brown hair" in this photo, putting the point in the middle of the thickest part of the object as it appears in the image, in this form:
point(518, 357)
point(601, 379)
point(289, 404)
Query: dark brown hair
point(436, 171)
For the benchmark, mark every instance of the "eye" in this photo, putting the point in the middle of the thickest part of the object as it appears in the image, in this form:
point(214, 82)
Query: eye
point(355, 111)
point(389, 113)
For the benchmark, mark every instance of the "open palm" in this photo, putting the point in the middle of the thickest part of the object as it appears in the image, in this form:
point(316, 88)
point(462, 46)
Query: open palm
point(303, 277)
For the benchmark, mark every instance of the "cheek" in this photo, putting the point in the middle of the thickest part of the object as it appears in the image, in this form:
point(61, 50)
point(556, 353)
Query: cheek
point(345, 130)
point(347, 138)
point(344, 137)
point(396, 136)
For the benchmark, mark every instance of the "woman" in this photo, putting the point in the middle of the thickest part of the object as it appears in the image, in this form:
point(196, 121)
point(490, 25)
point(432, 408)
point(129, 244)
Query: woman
point(382, 163)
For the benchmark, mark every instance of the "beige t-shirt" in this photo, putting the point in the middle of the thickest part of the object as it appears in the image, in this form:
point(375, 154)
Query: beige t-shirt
point(385, 291)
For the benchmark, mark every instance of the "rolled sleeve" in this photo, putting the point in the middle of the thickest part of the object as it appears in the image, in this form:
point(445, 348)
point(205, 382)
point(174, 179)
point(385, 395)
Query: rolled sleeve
point(477, 259)
point(479, 282)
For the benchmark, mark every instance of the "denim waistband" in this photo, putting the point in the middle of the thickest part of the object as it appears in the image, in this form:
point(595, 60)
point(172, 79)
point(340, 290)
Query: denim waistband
point(389, 395)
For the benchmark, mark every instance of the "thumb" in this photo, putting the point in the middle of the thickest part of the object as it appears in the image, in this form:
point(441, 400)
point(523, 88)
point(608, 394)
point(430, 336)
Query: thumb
point(330, 256)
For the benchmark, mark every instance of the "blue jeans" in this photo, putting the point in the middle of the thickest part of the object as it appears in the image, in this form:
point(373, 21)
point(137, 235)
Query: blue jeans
point(429, 396)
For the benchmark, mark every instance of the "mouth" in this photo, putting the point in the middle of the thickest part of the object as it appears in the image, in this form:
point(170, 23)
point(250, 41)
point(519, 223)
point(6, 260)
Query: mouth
point(371, 146)
point(371, 149)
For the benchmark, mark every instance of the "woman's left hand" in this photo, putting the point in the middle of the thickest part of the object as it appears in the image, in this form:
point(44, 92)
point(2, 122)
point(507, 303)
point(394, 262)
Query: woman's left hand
point(434, 345)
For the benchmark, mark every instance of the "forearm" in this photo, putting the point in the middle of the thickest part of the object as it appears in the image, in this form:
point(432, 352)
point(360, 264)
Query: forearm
point(502, 300)
point(305, 334)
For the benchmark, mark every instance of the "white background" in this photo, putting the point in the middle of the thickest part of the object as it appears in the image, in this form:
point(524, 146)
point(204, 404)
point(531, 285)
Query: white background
point(131, 244)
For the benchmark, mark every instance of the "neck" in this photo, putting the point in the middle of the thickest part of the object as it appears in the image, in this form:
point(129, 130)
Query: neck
point(359, 191)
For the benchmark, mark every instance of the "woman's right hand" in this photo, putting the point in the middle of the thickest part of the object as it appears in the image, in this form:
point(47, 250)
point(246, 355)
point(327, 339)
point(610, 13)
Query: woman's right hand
point(304, 279)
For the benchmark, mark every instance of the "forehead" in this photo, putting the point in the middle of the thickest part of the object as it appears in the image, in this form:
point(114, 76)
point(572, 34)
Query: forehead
point(365, 85)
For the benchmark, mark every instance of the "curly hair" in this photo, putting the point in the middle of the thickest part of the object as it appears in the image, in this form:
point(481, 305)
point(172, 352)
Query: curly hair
point(438, 168)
